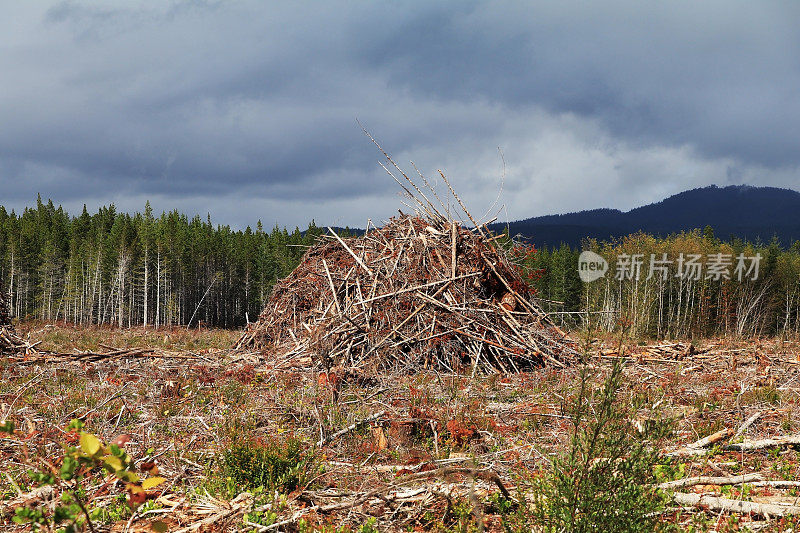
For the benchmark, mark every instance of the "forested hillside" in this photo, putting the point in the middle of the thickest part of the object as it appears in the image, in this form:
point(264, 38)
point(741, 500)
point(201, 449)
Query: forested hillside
point(735, 211)
point(118, 268)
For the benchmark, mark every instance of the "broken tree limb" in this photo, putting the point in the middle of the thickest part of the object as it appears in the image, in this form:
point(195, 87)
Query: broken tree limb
point(709, 480)
point(700, 447)
point(484, 474)
point(348, 429)
point(777, 483)
point(358, 259)
point(418, 287)
point(711, 439)
point(453, 247)
point(715, 503)
point(747, 423)
point(333, 288)
point(777, 442)
point(687, 452)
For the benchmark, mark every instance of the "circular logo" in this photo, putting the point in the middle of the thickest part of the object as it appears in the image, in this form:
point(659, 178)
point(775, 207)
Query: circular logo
point(591, 266)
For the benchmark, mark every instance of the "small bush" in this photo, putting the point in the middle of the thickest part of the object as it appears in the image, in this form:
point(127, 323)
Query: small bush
point(283, 466)
point(767, 394)
point(604, 482)
point(86, 462)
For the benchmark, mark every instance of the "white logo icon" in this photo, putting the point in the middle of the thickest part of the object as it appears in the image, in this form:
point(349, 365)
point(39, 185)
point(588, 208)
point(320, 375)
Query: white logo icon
point(591, 266)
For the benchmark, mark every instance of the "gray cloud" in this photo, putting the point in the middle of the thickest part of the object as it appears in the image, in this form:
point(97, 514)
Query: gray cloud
point(247, 110)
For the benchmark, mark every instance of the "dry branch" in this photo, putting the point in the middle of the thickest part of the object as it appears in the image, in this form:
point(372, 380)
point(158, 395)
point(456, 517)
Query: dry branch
point(711, 439)
point(747, 423)
point(351, 427)
point(715, 503)
point(777, 442)
point(709, 480)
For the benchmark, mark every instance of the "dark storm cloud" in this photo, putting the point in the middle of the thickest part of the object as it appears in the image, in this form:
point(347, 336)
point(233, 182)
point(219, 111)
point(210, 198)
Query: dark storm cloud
point(225, 107)
point(720, 75)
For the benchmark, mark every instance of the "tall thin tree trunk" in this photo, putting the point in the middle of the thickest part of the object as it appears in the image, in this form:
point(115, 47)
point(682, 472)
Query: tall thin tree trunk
point(158, 287)
point(146, 287)
point(121, 294)
point(11, 285)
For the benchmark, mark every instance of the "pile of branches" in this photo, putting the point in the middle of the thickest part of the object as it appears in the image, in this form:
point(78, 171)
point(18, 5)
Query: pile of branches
point(423, 291)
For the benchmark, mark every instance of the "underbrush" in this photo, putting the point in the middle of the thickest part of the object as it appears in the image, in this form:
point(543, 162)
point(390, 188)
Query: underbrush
point(605, 479)
point(577, 448)
point(90, 483)
point(274, 465)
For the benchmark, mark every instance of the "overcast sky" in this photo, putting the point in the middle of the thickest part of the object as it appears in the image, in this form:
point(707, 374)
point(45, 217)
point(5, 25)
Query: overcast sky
point(247, 110)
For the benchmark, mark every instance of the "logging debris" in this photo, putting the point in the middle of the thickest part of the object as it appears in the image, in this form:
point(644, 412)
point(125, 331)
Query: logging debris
point(422, 292)
point(416, 293)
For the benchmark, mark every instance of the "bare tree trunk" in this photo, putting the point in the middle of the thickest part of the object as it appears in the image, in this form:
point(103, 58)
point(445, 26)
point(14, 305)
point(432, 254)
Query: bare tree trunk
point(11, 285)
point(122, 268)
point(158, 287)
point(146, 271)
point(96, 290)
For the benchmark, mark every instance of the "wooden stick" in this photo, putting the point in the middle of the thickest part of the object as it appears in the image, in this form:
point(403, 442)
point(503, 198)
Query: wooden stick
point(463, 207)
point(711, 439)
point(709, 480)
point(453, 245)
point(747, 424)
point(349, 428)
point(333, 288)
point(519, 298)
point(485, 474)
point(418, 287)
point(777, 442)
point(358, 259)
point(487, 341)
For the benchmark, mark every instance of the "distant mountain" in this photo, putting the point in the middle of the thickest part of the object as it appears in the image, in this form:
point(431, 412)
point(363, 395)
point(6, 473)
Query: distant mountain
point(735, 211)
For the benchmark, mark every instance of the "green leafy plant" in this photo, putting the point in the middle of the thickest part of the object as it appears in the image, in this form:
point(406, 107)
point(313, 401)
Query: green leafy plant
point(669, 472)
point(605, 481)
point(369, 526)
point(91, 462)
point(275, 465)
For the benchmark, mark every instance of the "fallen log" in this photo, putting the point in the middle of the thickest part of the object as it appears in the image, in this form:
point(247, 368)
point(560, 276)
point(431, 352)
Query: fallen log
point(777, 442)
point(699, 447)
point(716, 503)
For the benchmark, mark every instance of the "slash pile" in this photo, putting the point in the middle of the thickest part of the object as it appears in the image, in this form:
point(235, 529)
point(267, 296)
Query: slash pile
point(419, 292)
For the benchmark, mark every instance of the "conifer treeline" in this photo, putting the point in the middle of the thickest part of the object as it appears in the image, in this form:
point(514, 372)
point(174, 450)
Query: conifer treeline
point(122, 269)
point(672, 304)
point(117, 268)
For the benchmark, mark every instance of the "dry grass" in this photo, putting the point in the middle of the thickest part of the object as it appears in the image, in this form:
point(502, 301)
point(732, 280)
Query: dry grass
point(189, 411)
point(67, 337)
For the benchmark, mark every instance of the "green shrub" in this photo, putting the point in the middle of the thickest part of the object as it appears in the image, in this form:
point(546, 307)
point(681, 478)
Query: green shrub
point(283, 466)
point(87, 464)
point(604, 481)
point(767, 394)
